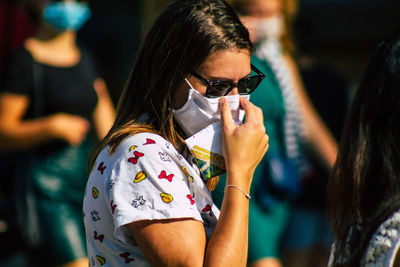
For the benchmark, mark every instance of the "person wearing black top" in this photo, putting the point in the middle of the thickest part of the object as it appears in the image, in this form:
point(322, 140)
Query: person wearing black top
point(52, 103)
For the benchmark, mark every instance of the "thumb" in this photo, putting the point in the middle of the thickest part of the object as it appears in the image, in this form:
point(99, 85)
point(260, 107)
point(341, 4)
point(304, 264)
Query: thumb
point(226, 114)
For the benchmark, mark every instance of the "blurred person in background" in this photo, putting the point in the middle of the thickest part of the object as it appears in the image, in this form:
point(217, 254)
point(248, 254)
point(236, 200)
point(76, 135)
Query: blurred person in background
point(53, 107)
point(299, 135)
point(364, 189)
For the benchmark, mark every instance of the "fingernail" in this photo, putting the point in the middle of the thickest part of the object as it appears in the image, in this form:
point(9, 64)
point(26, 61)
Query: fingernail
point(221, 101)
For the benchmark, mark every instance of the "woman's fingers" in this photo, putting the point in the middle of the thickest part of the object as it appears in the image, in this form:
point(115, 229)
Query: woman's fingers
point(226, 114)
point(249, 110)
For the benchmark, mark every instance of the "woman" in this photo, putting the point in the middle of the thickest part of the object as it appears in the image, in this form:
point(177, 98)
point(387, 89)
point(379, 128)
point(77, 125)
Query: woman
point(52, 97)
point(146, 201)
point(364, 187)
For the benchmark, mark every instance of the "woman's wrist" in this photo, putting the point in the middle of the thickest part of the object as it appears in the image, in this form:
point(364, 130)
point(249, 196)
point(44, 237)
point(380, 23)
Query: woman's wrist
point(242, 180)
point(229, 186)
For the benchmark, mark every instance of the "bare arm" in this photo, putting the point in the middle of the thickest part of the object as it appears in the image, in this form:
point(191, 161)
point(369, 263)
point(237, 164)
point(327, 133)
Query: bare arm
point(183, 242)
point(104, 113)
point(318, 135)
point(16, 133)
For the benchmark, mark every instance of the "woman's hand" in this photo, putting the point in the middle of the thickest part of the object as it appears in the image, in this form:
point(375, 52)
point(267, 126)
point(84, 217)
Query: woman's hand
point(243, 146)
point(70, 128)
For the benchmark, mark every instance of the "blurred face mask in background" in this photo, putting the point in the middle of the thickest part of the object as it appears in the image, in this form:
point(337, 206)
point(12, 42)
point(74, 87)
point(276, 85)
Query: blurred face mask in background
point(66, 15)
point(269, 28)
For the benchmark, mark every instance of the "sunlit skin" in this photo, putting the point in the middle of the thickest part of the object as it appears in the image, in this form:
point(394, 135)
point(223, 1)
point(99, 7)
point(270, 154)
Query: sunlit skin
point(229, 64)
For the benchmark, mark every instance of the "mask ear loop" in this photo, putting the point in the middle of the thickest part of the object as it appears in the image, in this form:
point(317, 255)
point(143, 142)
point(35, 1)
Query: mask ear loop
point(187, 81)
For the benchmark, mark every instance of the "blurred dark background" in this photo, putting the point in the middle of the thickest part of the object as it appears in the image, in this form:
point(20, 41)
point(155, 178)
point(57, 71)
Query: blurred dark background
point(340, 35)
point(344, 33)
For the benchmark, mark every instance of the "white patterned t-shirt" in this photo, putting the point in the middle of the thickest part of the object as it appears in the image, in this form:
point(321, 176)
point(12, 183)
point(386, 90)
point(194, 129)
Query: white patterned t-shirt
point(144, 179)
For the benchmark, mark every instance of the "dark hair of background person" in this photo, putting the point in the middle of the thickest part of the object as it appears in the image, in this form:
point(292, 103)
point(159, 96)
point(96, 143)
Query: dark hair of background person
point(364, 188)
point(182, 37)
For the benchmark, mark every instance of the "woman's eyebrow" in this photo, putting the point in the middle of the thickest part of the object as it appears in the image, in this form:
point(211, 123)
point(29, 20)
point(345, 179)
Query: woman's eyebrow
point(214, 78)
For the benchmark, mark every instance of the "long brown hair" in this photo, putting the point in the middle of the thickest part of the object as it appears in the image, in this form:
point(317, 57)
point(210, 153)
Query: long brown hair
point(182, 37)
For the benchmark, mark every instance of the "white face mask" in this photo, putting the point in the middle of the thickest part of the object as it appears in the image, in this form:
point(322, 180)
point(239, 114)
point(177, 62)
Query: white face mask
point(200, 111)
point(269, 28)
point(200, 119)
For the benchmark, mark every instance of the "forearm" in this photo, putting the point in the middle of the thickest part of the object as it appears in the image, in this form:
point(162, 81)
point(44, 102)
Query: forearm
point(228, 244)
point(104, 113)
point(25, 134)
point(103, 118)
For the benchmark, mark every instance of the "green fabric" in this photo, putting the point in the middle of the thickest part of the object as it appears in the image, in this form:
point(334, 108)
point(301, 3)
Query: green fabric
point(266, 230)
point(50, 210)
point(266, 227)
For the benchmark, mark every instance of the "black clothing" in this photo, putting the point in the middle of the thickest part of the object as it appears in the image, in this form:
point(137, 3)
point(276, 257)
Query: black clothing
point(65, 89)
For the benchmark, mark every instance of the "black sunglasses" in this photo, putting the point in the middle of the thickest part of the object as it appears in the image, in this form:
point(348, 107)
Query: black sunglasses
point(218, 88)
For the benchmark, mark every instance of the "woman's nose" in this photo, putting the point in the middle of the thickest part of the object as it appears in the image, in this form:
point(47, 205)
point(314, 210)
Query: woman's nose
point(234, 91)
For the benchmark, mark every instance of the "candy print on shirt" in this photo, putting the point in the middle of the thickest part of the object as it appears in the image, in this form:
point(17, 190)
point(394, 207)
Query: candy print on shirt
point(101, 168)
point(137, 155)
point(126, 257)
point(140, 177)
point(190, 197)
point(164, 157)
point(138, 202)
point(98, 237)
point(163, 175)
point(207, 208)
point(187, 174)
point(101, 259)
point(149, 141)
point(95, 192)
point(167, 198)
point(113, 206)
point(95, 215)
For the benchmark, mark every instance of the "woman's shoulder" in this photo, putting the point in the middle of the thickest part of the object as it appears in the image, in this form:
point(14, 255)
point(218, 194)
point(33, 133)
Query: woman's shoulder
point(144, 142)
point(384, 243)
point(144, 139)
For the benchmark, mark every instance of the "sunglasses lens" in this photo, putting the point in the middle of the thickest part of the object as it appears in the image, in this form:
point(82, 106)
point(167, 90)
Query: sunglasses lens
point(218, 89)
point(248, 85)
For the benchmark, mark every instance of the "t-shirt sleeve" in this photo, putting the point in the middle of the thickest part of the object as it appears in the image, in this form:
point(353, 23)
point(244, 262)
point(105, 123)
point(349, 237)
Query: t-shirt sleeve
point(148, 183)
point(18, 73)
